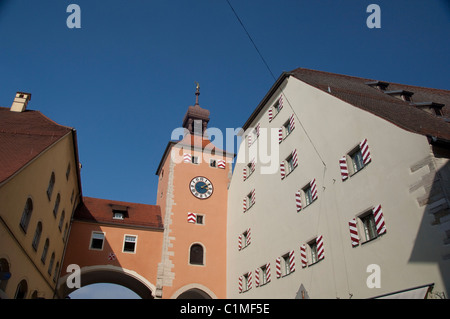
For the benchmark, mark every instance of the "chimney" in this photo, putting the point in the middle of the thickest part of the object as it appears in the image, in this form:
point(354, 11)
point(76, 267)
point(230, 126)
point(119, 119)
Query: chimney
point(20, 102)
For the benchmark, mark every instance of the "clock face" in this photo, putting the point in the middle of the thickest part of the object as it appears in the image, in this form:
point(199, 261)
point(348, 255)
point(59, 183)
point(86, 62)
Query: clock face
point(201, 187)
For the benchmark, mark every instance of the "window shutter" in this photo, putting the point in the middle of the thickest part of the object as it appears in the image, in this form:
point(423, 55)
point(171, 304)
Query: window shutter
point(303, 255)
point(280, 102)
point(280, 135)
point(278, 267)
point(365, 152)
point(379, 219)
point(319, 242)
point(253, 165)
point(249, 140)
point(221, 164)
point(245, 204)
point(244, 173)
point(291, 261)
point(292, 122)
point(240, 242)
point(282, 170)
point(241, 278)
point(249, 280)
point(294, 158)
point(298, 200)
point(270, 114)
point(187, 158)
point(268, 274)
point(257, 277)
point(313, 189)
point(343, 167)
point(253, 196)
point(249, 236)
point(353, 232)
point(192, 218)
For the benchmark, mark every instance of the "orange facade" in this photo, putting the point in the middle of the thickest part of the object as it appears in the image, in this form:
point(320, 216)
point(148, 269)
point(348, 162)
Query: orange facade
point(186, 161)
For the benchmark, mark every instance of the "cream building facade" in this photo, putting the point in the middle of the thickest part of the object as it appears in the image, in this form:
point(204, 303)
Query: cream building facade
point(39, 189)
point(341, 190)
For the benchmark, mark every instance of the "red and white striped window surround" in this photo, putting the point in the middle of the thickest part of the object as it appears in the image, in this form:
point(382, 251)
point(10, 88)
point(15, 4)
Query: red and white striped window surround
point(380, 226)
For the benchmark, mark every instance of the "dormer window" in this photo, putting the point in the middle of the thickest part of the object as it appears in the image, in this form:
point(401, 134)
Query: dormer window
point(431, 107)
point(379, 85)
point(401, 94)
point(119, 212)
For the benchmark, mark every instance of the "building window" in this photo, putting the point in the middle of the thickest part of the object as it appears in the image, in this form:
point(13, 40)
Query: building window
point(308, 195)
point(37, 236)
point(263, 275)
point(51, 184)
point(357, 160)
point(194, 159)
point(369, 226)
point(286, 268)
point(50, 264)
point(290, 164)
point(44, 252)
point(117, 214)
point(129, 244)
point(97, 240)
point(55, 275)
point(199, 219)
point(249, 200)
point(313, 250)
point(245, 282)
point(66, 229)
point(26, 215)
point(56, 207)
point(61, 220)
point(22, 289)
point(196, 255)
point(68, 171)
point(212, 163)
point(4, 268)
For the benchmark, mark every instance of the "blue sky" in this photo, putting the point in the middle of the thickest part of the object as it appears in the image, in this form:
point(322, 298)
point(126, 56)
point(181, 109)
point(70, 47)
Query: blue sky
point(124, 80)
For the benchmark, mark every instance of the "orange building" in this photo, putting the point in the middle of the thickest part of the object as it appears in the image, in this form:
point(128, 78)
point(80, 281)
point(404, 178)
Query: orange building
point(192, 192)
point(174, 249)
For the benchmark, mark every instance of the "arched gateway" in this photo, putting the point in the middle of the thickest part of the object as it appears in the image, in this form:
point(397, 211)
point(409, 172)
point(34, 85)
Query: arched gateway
point(114, 242)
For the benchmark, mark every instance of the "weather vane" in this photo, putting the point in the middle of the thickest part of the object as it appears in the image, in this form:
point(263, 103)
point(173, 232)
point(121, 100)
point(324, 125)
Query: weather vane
point(197, 93)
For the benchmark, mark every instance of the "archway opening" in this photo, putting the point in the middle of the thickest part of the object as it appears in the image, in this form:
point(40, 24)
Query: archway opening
point(96, 282)
point(194, 293)
point(104, 291)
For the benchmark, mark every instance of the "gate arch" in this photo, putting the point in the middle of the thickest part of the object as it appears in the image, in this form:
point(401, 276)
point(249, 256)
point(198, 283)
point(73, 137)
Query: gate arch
point(194, 291)
point(110, 274)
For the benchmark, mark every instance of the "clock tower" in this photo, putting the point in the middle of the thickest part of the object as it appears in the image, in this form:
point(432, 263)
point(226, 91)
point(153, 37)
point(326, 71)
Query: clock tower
point(193, 179)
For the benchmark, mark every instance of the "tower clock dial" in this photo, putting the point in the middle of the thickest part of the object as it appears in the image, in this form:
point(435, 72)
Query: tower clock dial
point(201, 187)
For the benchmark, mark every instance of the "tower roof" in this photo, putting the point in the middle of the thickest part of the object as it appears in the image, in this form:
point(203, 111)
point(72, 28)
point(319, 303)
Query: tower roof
point(196, 118)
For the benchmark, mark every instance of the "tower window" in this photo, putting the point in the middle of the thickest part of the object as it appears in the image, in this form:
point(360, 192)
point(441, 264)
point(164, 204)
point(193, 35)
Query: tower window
point(196, 255)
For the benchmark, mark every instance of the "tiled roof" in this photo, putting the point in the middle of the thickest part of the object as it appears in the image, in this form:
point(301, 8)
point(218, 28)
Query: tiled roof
point(101, 211)
point(23, 136)
point(356, 91)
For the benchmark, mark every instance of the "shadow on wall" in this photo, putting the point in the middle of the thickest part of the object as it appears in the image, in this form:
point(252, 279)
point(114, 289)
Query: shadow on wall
point(433, 194)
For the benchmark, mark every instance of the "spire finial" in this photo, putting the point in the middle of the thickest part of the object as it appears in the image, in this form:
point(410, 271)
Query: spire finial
point(197, 92)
